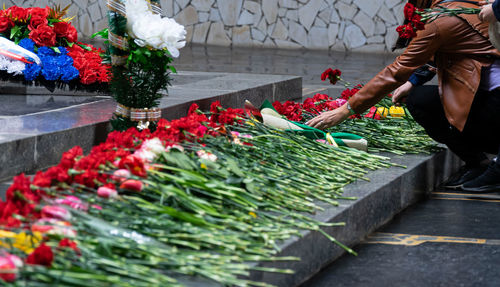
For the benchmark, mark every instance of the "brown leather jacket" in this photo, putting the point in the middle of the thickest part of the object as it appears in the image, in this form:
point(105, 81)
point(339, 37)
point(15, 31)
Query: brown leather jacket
point(460, 48)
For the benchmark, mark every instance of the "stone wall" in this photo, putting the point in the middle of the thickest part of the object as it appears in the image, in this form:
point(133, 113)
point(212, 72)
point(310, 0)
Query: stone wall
point(354, 25)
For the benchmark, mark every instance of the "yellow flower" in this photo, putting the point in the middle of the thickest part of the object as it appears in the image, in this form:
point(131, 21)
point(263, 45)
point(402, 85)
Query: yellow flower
point(22, 241)
point(396, 112)
point(382, 112)
point(253, 214)
point(204, 166)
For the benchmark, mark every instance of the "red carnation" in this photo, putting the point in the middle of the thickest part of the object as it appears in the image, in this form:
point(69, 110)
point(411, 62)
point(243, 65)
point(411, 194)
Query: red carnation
point(65, 242)
point(37, 12)
point(18, 14)
point(409, 11)
point(134, 164)
point(41, 256)
point(332, 75)
point(5, 24)
point(66, 30)
point(43, 36)
point(36, 21)
point(406, 31)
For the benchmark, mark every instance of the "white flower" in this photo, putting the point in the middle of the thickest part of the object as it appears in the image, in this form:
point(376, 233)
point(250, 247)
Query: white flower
point(150, 150)
point(206, 155)
point(152, 30)
point(154, 145)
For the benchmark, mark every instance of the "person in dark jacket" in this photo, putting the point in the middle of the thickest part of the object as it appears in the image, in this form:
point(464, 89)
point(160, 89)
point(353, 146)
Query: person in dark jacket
point(463, 111)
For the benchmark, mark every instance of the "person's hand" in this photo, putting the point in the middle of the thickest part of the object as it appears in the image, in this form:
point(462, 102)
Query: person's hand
point(486, 14)
point(401, 93)
point(329, 118)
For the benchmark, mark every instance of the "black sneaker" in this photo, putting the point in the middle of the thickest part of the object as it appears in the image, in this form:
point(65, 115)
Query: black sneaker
point(463, 175)
point(489, 181)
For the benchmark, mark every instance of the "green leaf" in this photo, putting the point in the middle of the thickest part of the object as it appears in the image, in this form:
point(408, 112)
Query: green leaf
point(103, 34)
point(172, 68)
point(87, 48)
point(14, 31)
point(56, 49)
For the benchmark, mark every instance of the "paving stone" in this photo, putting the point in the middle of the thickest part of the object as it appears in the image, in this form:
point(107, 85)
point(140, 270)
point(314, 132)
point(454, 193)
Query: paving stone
point(202, 5)
point(334, 17)
point(168, 7)
point(369, 7)
point(258, 35)
point(203, 17)
point(398, 12)
point(325, 14)
point(229, 11)
point(379, 28)
point(241, 36)
point(85, 25)
point(177, 8)
point(319, 23)
point(214, 15)
point(318, 38)
point(189, 33)
point(282, 12)
point(94, 12)
point(333, 31)
point(269, 43)
point(182, 3)
point(386, 15)
point(341, 29)
point(270, 10)
point(346, 11)
point(353, 37)
point(200, 32)
point(292, 4)
point(285, 22)
point(217, 35)
point(262, 25)
point(246, 18)
point(391, 37)
point(252, 6)
point(392, 3)
point(292, 15)
point(365, 23)
point(188, 16)
point(297, 33)
point(375, 40)
point(270, 29)
point(308, 12)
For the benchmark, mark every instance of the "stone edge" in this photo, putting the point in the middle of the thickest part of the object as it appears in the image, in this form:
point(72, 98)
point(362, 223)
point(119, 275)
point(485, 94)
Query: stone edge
point(376, 205)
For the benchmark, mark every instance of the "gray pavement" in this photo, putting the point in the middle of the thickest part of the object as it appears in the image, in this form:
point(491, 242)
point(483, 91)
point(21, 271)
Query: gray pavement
point(309, 64)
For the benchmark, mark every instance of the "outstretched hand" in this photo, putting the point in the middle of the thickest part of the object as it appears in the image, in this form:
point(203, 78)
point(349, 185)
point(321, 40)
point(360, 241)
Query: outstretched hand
point(329, 118)
point(400, 94)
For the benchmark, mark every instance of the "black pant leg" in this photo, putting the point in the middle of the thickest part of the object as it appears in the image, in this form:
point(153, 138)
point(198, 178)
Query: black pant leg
point(424, 104)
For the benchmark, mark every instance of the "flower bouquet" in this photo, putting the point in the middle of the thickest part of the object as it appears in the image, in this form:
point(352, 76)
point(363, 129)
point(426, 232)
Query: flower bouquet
point(202, 196)
point(415, 19)
point(54, 41)
point(387, 128)
point(142, 44)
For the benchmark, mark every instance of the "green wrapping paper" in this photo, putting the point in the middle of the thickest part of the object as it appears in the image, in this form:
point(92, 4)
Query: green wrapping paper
point(339, 139)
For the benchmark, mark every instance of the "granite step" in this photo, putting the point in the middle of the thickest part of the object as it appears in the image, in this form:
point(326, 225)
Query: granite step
point(33, 136)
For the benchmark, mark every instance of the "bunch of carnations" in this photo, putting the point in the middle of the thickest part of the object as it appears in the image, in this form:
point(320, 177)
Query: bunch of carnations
point(45, 32)
point(415, 18)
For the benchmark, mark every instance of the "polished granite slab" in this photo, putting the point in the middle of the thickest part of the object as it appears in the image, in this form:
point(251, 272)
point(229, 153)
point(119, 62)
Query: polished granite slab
point(36, 129)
